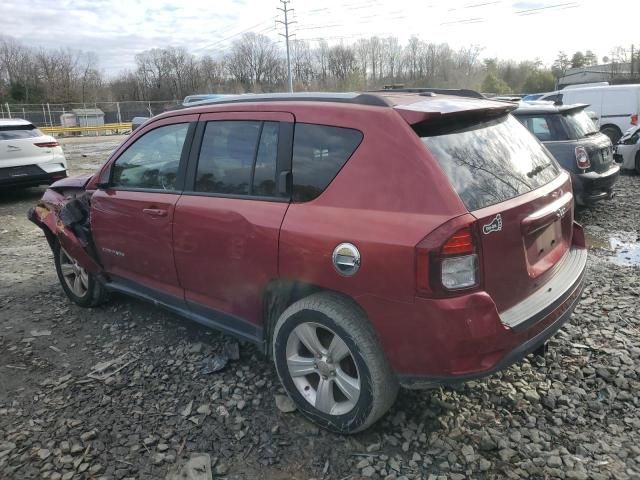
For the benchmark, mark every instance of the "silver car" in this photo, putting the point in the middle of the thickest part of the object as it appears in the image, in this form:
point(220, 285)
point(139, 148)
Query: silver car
point(627, 150)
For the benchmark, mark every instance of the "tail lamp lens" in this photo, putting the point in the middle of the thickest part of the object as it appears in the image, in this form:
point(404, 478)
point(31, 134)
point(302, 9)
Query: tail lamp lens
point(47, 144)
point(634, 119)
point(459, 272)
point(582, 158)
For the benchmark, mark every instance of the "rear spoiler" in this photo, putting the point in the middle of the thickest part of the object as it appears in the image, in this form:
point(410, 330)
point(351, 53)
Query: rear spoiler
point(439, 110)
point(576, 107)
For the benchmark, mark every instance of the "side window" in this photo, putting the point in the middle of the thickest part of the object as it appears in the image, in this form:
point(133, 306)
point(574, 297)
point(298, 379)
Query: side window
point(233, 152)
point(540, 128)
point(152, 161)
point(319, 152)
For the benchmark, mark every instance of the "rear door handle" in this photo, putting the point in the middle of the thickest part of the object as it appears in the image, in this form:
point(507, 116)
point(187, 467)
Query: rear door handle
point(155, 212)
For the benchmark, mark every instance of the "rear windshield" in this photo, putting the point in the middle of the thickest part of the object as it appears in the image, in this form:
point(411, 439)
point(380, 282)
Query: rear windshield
point(490, 161)
point(579, 125)
point(16, 132)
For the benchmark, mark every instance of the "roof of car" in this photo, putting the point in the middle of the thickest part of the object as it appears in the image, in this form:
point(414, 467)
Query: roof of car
point(534, 108)
point(379, 98)
point(13, 122)
point(413, 107)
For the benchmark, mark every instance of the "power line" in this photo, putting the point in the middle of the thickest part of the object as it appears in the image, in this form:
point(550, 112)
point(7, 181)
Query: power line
point(286, 10)
point(218, 42)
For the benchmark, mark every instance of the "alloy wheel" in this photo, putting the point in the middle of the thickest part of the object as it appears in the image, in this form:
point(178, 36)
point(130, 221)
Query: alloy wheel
point(76, 277)
point(323, 368)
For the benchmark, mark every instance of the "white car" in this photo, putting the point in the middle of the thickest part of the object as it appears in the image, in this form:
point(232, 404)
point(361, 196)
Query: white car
point(627, 151)
point(28, 157)
point(616, 106)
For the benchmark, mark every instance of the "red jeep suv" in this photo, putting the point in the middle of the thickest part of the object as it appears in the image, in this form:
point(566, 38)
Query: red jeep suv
point(364, 241)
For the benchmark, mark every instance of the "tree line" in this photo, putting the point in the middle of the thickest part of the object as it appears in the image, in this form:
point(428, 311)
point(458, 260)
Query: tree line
point(255, 63)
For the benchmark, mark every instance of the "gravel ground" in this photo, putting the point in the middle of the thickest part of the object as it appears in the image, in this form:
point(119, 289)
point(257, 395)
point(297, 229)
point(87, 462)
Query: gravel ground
point(573, 414)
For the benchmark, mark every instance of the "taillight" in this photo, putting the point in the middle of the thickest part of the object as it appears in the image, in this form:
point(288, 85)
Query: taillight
point(459, 243)
point(47, 144)
point(582, 158)
point(448, 262)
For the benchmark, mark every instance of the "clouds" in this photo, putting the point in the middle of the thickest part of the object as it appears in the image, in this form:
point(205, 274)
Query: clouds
point(118, 29)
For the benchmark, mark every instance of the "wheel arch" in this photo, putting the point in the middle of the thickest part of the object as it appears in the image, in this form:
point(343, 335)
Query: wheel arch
point(612, 126)
point(279, 294)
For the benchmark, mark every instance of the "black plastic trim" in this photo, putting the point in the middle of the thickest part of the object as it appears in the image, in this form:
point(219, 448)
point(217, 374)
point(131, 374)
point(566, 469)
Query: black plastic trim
point(458, 92)
point(208, 317)
point(33, 180)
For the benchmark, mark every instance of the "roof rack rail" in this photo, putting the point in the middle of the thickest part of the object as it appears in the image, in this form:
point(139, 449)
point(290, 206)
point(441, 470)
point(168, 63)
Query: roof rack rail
point(459, 92)
point(352, 97)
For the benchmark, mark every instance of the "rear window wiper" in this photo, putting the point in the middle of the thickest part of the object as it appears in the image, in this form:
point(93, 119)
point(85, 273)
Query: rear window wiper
point(537, 170)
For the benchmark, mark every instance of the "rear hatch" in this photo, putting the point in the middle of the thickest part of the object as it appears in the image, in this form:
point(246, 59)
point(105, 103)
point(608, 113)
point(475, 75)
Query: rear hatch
point(512, 185)
point(581, 129)
point(19, 146)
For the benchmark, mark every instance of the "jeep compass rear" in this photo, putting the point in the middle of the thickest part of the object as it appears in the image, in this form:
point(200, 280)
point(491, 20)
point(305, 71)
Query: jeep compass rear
point(363, 241)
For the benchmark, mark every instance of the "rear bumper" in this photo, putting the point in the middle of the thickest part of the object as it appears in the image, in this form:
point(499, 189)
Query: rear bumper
point(593, 186)
point(528, 334)
point(27, 176)
point(443, 341)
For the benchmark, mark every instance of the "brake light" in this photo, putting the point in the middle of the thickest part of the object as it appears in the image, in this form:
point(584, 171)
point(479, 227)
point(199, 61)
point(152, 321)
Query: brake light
point(582, 158)
point(448, 262)
point(47, 144)
point(459, 243)
point(634, 119)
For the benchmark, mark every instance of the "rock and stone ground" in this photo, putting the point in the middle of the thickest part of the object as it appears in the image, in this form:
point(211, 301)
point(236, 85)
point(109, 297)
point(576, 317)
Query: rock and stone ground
point(574, 414)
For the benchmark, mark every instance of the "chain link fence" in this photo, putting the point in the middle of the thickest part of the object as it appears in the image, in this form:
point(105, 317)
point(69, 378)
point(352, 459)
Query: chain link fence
point(48, 114)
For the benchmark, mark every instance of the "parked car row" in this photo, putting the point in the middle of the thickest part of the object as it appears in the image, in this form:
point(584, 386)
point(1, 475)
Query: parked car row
point(362, 241)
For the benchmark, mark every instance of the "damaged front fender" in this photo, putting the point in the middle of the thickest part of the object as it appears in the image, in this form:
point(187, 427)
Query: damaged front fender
point(67, 221)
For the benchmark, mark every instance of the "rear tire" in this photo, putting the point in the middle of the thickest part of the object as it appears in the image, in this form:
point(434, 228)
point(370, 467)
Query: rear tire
point(80, 286)
point(331, 364)
point(612, 132)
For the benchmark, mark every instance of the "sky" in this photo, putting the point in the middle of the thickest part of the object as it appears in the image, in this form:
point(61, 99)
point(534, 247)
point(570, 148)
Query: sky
point(118, 29)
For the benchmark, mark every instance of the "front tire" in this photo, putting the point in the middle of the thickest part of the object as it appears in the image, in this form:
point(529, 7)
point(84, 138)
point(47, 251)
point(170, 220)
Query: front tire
point(80, 286)
point(331, 364)
point(638, 162)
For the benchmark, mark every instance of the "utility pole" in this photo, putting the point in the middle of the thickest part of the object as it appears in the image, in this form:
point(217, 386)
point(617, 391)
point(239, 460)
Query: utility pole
point(286, 10)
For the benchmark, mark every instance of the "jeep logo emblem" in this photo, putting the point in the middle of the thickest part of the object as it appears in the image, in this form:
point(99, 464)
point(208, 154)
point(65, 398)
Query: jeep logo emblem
point(494, 225)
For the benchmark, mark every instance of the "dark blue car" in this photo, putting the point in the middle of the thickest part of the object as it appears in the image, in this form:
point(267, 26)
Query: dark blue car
point(578, 146)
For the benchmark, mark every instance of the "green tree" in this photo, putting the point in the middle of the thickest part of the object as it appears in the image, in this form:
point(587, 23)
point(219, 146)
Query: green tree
point(539, 81)
point(493, 84)
point(578, 61)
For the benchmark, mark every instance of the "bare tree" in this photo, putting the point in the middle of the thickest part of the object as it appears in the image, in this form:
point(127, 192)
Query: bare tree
point(342, 62)
point(253, 60)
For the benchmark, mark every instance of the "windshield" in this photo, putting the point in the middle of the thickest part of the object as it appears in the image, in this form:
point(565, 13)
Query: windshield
point(491, 161)
point(579, 124)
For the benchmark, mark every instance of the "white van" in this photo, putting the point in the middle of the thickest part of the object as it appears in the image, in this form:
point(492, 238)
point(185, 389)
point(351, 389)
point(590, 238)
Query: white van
point(616, 106)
